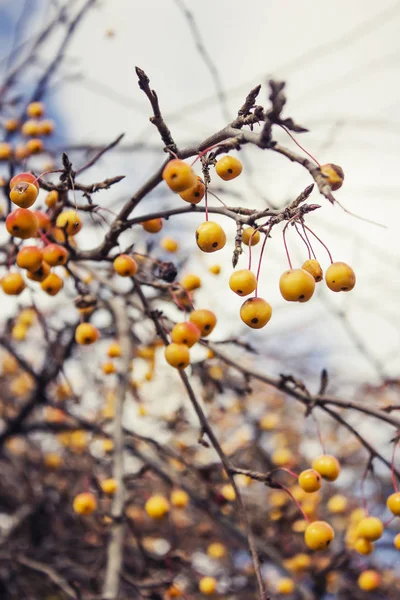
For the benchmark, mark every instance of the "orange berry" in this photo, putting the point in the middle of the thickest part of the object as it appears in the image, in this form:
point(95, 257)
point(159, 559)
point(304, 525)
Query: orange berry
point(216, 550)
point(35, 109)
point(178, 175)
point(328, 466)
point(243, 282)
point(125, 265)
point(318, 535)
point(247, 234)
point(51, 198)
point(22, 223)
point(55, 255)
point(255, 312)
point(86, 334)
point(191, 282)
point(393, 503)
point(29, 257)
point(152, 225)
point(108, 368)
point(169, 244)
point(52, 284)
point(40, 273)
point(204, 319)
point(194, 194)
point(370, 528)
point(363, 546)
point(85, 503)
point(228, 167)
point(24, 194)
point(210, 236)
point(177, 355)
point(340, 277)
point(369, 580)
point(310, 480)
point(24, 178)
point(34, 146)
point(313, 267)
point(333, 174)
point(13, 284)
point(69, 221)
point(296, 285)
point(337, 504)
point(185, 333)
point(157, 506)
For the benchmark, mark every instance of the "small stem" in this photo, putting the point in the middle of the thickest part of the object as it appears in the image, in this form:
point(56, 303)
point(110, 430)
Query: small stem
point(304, 240)
point(203, 152)
point(394, 481)
point(285, 244)
point(206, 202)
point(306, 518)
point(321, 242)
point(299, 145)
point(309, 243)
point(260, 259)
point(319, 433)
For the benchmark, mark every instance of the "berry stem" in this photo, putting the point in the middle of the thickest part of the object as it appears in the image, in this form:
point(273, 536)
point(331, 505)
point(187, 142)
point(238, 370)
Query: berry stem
point(364, 498)
point(299, 145)
point(285, 244)
point(386, 523)
point(320, 241)
point(304, 240)
point(203, 152)
point(250, 245)
point(306, 518)
point(47, 173)
point(206, 202)
point(321, 441)
point(309, 243)
point(260, 259)
point(172, 153)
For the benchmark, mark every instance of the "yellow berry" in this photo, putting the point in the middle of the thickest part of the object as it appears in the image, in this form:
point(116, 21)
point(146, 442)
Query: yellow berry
point(177, 355)
point(157, 506)
point(369, 580)
point(210, 237)
point(216, 550)
point(215, 269)
point(169, 244)
point(185, 333)
point(328, 466)
point(5, 151)
point(340, 277)
point(52, 284)
point(34, 146)
point(35, 109)
point(152, 225)
point(296, 285)
point(51, 199)
point(114, 350)
point(207, 585)
point(282, 457)
point(179, 498)
point(178, 175)
point(269, 421)
point(86, 334)
point(318, 535)
point(204, 319)
point(70, 221)
point(85, 503)
point(125, 265)
point(310, 480)
point(285, 586)
point(108, 368)
point(313, 267)
point(13, 284)
point(228, 492)
point(337, 504)
point(243, 282)
point(194, 194)
point(333, 174)
point(24, 194)
point(396, 542)
point(255, 312)
point(363, 546)
point(228, 167)
point(191, 282)
point(247, 234)
point(370, 528)
point(109, 486)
